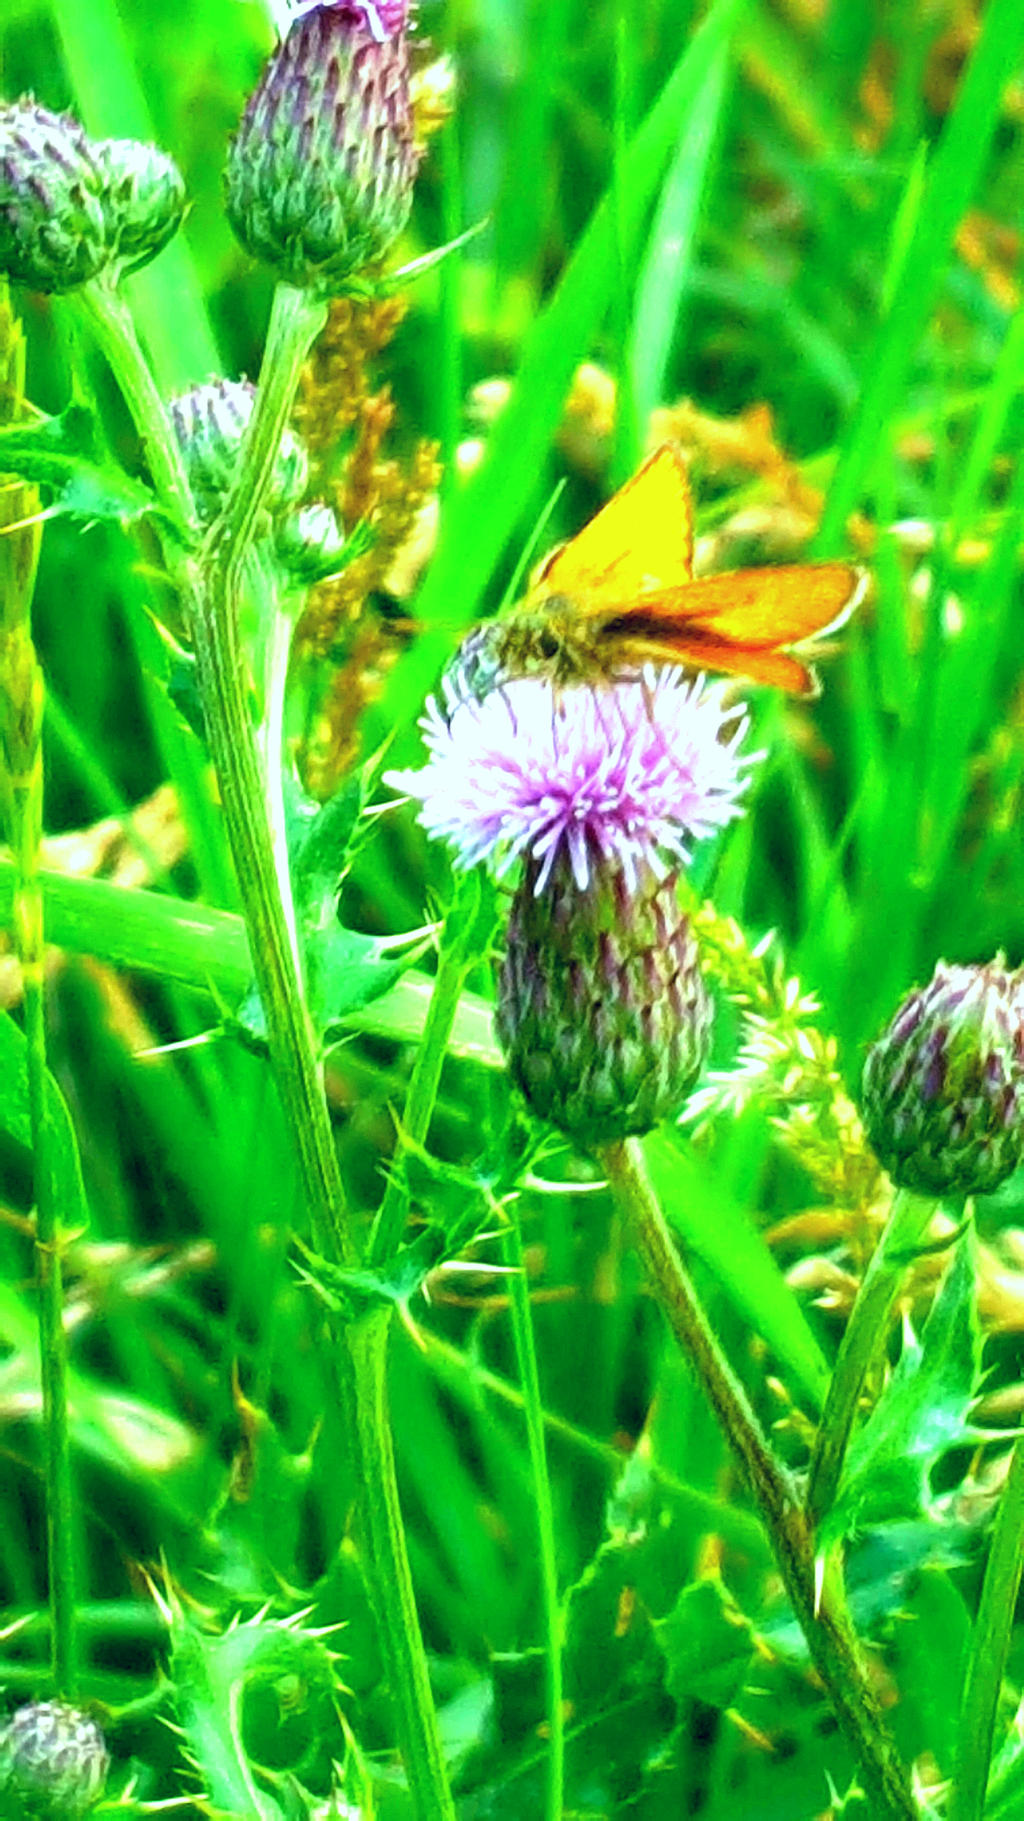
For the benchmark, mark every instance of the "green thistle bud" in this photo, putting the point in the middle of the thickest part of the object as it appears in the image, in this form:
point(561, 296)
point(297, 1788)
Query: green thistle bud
point(210, 422)
point(943, 1085)
point(53, 232)
point(320, 172)
point(53, 1760)
point(602, 1008)
point(311, 544)
point(143, 199)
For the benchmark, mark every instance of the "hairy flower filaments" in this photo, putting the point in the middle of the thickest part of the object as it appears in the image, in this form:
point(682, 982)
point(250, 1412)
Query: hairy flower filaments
point(600, 794)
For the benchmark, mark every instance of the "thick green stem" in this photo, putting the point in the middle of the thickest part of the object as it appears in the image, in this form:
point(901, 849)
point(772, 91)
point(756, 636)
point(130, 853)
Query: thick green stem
point(821, 1612)
point(989, 1649)
point(210, 590)
point(526, 1359)
point(362, 1369)
point(862, 1345)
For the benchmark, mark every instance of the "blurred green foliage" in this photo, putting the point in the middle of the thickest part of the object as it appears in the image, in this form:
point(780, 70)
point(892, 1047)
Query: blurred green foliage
point(824, 220)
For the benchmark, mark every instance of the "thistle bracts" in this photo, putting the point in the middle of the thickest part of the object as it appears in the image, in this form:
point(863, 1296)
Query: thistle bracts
point(72, 207)
point(143, 199)
point(320, 172)
point(943, 1085)
point(602, 1009)
point(210, 422)
point(53, 232)
point(53, 1762)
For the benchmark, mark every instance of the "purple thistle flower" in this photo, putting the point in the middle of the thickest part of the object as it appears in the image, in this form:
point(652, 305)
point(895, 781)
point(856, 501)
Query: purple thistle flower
point(383, 18)
point(625, 778)
point(599, 792)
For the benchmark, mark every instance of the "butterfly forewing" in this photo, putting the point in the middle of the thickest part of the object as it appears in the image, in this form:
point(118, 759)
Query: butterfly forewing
point(642, 540)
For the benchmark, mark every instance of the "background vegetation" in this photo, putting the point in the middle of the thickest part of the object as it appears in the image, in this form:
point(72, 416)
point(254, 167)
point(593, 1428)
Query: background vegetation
point(807, 259)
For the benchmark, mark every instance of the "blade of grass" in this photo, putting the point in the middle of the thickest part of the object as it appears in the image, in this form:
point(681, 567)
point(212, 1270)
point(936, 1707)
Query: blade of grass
point(669, 258)
point(482, 517)
point(952, 178)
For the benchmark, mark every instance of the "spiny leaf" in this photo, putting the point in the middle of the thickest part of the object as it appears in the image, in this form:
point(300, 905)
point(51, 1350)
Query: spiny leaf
point(65, 454)
point(708, 1644)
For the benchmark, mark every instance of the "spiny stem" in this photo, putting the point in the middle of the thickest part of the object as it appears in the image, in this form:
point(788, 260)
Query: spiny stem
point(210, 587)
point(822, 1613)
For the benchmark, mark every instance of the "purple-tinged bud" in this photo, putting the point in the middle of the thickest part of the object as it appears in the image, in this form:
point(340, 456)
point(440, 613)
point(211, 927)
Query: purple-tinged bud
point(943, 1085)
point(602, 1009)
point(320, 172)
point(53, 231)
point(53, 1761)
point(143, 199)
point(210, 423)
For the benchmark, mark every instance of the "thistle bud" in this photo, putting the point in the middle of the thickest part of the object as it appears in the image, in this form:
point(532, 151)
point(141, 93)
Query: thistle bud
point(311, 544)
point(210, 423)
point(602, 1008)
point(143, 199)
point(943, 1085)
point(53, 1761)
point(53, 232)
point(320, 172)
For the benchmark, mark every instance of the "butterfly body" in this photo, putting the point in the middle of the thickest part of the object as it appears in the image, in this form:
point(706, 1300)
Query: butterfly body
point(622, 594)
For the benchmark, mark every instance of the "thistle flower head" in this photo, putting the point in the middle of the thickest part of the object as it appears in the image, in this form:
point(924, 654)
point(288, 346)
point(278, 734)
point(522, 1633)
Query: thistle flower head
point(631, 775)
point(320, 172)
point(599, 793)
point(70, 206)
point(943, 1085)
point(52, 225)
point(53, 1761)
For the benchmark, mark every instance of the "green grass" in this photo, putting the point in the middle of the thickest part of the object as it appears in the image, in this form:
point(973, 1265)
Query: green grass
point(694, 198)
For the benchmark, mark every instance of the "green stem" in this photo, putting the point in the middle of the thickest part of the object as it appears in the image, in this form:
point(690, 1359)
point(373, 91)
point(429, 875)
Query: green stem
point(210, 589)
point(526, 1359)
point(21, 793)
point(989, 1649)
point(114, 330)
point(862, 1345)
point(362, 1369)
point(458, 955)
point(821, 1611)
point(270, 744)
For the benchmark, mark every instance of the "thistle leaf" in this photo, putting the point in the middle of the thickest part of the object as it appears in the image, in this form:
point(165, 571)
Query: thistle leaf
point(921, 1414)
point(65, 454)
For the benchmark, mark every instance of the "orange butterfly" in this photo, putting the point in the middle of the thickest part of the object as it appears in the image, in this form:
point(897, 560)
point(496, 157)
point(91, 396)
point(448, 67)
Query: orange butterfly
point(622, 594)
